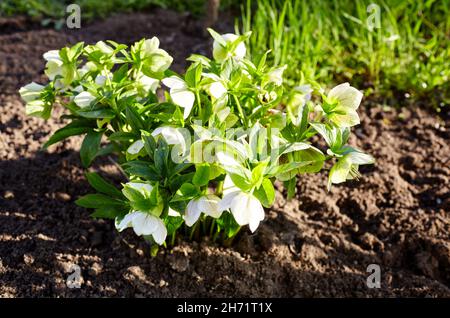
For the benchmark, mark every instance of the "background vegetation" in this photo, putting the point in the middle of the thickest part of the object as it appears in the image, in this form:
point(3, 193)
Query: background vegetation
point(404, 58)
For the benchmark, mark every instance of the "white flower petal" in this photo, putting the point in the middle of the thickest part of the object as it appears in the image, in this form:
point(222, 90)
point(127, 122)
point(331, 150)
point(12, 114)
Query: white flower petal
point(192, 212)
point(144, 224)
point(151, 45)
point(276, 75)
point(173, 213)
point(174, 82)
point(220, 53)
point(148, 83)
point(209, 205)
point(31, 91)
point(125, 222)
point(160, 232)
point(361, 158)
point(257, 213)
point(217, 90)
point(53, 55)
point(84, 99)
point(135, 147)
point(348, 96)
point(225, 203)
point(240, 208)
point(229, 186)
point(141, 187)
point(183, 98)
point(104, 48)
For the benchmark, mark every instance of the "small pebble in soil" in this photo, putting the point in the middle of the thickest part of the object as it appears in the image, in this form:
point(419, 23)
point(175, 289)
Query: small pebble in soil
point(95, 269)
point(62, 196)
point(28, 259)
point(163, 283)
point(8, 195)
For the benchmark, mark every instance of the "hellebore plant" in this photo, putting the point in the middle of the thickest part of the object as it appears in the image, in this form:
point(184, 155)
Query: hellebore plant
point(200, 148)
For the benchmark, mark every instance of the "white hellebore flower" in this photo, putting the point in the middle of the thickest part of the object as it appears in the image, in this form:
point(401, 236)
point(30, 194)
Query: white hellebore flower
point(276, 75)
point(54, 64)
point(84, 99)
point(245, 207)
point(146, 84)
point(347, 99)
point(31, 92)
point(221, 53)
point(207, 204)
point(173, 136)
point(180, 93)
point(144, 224)
point(346, 168)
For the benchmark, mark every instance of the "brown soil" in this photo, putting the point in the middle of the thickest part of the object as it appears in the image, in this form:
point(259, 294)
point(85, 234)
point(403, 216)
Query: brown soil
point(319, 244)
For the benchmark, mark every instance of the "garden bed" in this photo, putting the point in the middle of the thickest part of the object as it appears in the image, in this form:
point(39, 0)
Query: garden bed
point(317, 244)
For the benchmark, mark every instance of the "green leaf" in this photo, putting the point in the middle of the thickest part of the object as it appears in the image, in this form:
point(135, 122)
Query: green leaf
point(149, 143)
point(142, 169)
point(132, 194)
point(161, 156)
point(110, 212)
point(216, 36)
point(258, 174)
point(227, 223)
point(97, 200)
point(122, 136)
point(265, 193)
point(188, 190)
point(98, 113)
point(134, 119)
point(65, 132)
point(90, 147)
point(172, 224)
point(99, 184)
point(121, 73)
point(201, 176)
point(240, 182)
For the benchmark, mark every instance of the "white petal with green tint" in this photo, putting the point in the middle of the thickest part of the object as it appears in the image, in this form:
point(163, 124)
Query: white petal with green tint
point(31, 91)
point(135, 147)
point(245, 207)
point(144, 224)
point(207, 204)
point(180, 93)
point(348, 96)
point(84, 99)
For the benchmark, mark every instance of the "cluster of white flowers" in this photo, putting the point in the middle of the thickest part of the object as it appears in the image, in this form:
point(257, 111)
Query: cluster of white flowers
point(230, 127)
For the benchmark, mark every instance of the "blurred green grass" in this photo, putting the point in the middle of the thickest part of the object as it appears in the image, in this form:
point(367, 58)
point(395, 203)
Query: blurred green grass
point(406, 54)
point(55, 9)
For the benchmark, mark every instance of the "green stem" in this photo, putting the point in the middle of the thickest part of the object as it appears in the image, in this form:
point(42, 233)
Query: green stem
point(211, 229)
point(197, 96)
point(219, 188)
point(193, 228)
point(241, 112)
point(172, 240)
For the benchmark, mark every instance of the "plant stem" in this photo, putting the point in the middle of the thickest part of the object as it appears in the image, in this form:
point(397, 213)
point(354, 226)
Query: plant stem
point(193, 228)
point(197, 96)
point(211, 229)
point(172, 240)
point(241, 112)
